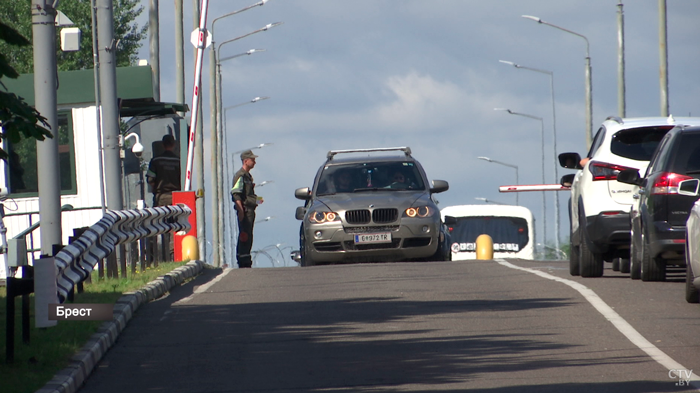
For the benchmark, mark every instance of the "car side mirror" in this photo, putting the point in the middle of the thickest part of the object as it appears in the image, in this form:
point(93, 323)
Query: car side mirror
point(689, 187)
point(570, 160)
point(449, 220)
point(300, 213)
point(302, 193)
point(567, 180)
point(629, 176)
point(439, 186)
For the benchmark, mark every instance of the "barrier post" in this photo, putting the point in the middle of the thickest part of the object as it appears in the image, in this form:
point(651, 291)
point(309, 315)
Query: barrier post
point(484, 247)
point(190, 199)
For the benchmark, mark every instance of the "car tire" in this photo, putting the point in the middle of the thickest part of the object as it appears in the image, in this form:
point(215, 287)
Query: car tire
point(691, 293)
point(616, 264)
point(591, 263)
point(574, 264)
point(304, 255)
point(636, 263)
point(624, 265)
point(652, 269)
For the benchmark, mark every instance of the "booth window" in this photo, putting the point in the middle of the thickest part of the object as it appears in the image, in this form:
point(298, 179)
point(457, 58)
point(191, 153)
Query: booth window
point(23, 180)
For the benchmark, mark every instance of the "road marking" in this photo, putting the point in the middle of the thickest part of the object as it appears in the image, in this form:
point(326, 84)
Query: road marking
point(620, 323)
point(204, 287)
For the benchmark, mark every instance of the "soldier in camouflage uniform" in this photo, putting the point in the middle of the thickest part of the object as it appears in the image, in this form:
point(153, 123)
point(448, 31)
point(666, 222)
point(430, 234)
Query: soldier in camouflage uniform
point(245, 201)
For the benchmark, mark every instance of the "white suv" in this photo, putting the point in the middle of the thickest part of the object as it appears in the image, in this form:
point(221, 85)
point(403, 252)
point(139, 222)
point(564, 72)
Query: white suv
point(600, 205)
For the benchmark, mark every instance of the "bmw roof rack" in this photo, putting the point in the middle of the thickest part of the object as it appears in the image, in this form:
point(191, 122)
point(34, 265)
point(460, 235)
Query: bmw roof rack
point(406, 150)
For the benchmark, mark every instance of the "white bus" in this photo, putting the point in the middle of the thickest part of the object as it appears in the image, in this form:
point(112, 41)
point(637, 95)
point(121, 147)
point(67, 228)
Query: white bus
point(512, 229)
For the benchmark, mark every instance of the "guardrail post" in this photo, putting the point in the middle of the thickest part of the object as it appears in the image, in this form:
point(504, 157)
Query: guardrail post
point(17, 287)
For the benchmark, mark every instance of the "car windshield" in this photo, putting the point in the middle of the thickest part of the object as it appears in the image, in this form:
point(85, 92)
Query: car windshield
point(370, 176)
point(638, 143)
point(508, 230)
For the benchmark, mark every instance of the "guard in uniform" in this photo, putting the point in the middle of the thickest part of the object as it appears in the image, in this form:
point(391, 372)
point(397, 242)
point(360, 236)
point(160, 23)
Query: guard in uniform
point(245, 201)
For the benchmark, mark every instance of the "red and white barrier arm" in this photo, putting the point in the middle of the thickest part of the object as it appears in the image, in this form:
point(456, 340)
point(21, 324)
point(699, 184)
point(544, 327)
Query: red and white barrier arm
point(533, 187)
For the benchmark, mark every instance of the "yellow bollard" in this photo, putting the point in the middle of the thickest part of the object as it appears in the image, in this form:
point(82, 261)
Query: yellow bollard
point(484, 247)
point(190, 248)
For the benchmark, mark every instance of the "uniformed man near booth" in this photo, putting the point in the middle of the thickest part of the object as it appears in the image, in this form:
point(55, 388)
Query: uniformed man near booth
point(164, 178)
point(245, 202)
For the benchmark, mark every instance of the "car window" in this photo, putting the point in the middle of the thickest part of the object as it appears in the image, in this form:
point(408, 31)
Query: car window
point(597, 141)
point(686, 157)
point(385, 176)
point(659, 156)
point(638, 143)
point(509, 230)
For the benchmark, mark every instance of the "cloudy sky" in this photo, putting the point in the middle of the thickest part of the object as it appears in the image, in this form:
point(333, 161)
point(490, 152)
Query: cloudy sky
point(426, 74)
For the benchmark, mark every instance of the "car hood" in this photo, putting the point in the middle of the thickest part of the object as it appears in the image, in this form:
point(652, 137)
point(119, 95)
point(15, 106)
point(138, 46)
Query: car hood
point(378, 199)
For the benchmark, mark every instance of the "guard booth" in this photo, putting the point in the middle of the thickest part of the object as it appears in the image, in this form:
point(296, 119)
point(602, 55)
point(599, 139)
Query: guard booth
point(79, 151)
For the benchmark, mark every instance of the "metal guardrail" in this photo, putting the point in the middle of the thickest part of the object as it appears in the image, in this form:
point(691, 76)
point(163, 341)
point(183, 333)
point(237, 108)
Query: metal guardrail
point(77, 260)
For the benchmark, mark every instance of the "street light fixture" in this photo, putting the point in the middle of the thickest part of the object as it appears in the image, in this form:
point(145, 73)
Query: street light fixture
point(554, 143)
point(544, 202)
point(589, 99)
point(508, 165)
point(486, 200)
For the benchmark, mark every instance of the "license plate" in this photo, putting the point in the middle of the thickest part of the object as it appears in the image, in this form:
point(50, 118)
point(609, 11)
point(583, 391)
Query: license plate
point(383, 237)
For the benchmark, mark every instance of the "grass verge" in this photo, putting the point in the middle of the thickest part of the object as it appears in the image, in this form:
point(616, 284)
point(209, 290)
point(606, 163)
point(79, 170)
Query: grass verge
point(50, 349)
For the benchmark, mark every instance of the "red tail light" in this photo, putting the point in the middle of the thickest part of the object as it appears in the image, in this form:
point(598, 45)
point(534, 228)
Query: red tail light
point(667, 183)
point(604, 170)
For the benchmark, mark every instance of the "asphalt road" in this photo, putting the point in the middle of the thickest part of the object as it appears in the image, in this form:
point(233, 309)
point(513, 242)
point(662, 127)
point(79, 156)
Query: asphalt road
point(479, 326)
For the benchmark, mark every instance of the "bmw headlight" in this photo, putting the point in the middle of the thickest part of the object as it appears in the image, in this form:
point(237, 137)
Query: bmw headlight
point(319, 217)
point(420, 211)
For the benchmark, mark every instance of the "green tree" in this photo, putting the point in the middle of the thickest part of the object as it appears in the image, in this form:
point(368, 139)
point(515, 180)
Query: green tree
point(17, 14)
point(17, 118)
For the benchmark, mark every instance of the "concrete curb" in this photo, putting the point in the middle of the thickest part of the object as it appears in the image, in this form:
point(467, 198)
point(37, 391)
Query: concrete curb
point(71, 378)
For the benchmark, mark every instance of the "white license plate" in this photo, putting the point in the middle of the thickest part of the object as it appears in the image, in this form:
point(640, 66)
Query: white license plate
point(383, 237)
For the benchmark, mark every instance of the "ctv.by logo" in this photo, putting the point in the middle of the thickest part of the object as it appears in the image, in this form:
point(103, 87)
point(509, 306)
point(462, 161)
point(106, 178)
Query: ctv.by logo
point(683, 376)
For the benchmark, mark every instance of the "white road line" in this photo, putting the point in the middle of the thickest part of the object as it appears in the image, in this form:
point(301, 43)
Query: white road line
point(204, 288)
point(623, 326)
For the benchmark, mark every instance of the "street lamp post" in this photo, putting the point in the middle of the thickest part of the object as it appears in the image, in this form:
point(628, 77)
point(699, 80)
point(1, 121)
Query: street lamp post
point(544, 202)
point(508, 165)
point(554, 143)
point(589, 87)
point(215, 93)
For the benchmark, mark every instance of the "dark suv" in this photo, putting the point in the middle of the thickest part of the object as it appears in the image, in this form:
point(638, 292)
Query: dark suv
point(373, 206)
point(659, 216)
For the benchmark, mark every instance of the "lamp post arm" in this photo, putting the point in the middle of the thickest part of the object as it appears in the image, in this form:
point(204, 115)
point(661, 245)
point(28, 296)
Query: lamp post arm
point(260, 3)
point(264, 28)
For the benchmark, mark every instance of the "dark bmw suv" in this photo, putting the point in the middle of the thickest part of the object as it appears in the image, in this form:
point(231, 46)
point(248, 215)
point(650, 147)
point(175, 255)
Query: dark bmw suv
point(658, 218)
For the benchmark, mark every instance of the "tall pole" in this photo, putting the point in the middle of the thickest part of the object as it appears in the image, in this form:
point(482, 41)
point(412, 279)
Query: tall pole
point(663, 58)
point(110, 118)
point(621, 106)
point(588, 75)
point(98, 117)
point(45, 86)
point(554, 144)
point(154, 46)
point(195, 151)
point(179, 55)
point(544, 202)
point(214, 145)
